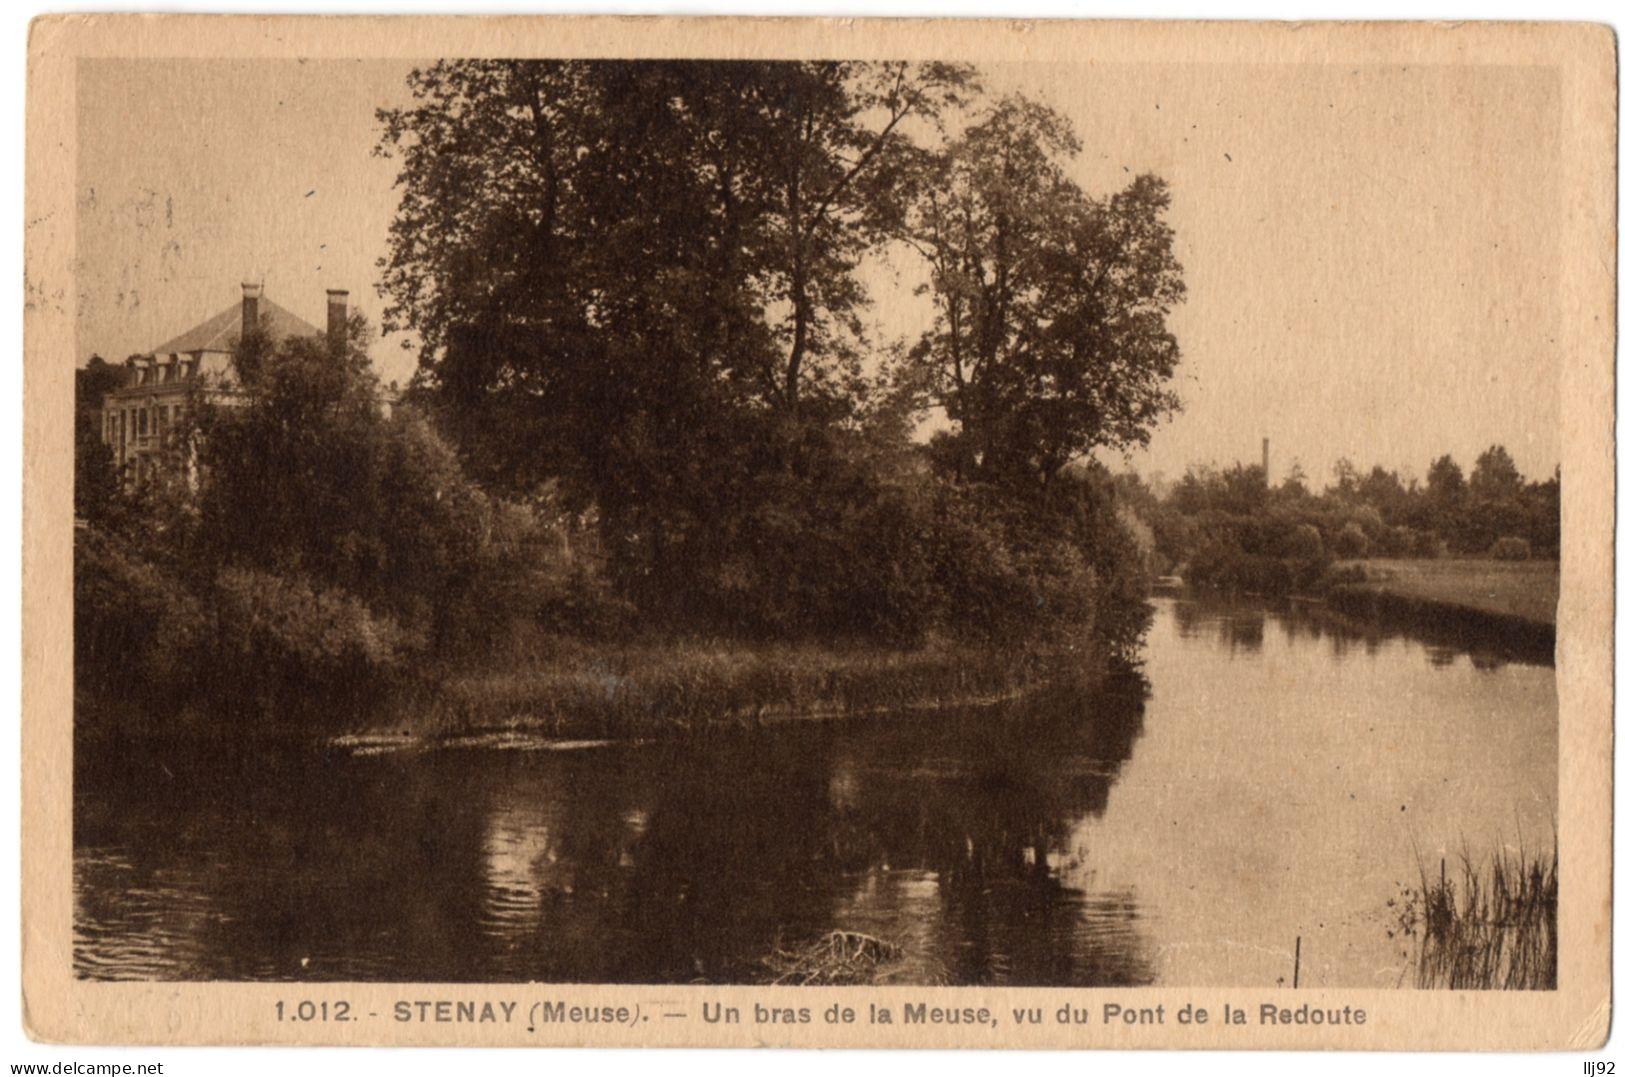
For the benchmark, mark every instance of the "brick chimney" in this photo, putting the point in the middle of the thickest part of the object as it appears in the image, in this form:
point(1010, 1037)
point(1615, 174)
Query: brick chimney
point(338, 318)
point(251, 307)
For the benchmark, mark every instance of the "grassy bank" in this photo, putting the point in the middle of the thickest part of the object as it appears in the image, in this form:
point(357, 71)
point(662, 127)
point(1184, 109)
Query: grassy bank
point(1510, 604)
point(613, 691)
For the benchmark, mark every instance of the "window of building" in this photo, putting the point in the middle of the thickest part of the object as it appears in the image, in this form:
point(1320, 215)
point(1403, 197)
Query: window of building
point(141, 423)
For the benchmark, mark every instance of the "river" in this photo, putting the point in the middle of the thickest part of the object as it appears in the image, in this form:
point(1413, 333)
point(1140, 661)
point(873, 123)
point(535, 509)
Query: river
point(1272, 783)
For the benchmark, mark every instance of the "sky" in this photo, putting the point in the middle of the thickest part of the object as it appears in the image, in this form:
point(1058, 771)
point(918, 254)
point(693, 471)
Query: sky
point(1370, 253)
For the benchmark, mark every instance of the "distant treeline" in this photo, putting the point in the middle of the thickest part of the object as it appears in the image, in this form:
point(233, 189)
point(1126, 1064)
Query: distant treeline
point(1229, 529)
point(647, 401)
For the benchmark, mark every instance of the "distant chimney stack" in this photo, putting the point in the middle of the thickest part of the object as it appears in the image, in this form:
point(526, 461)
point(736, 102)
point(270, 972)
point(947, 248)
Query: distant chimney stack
point(338, 318)
point(1266, 463)
point(251, 307)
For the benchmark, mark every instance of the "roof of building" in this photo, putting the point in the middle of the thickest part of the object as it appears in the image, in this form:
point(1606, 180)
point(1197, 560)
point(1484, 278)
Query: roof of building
point(220, 332)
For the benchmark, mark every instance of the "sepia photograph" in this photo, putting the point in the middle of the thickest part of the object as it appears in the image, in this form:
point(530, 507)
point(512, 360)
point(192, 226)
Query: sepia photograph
point(891, 518)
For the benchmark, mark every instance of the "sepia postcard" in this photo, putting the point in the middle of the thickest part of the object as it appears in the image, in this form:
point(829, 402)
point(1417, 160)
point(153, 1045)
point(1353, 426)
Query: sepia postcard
point(818, 532)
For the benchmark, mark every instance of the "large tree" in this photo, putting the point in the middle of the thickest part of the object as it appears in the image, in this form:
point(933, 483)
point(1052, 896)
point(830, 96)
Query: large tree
point(1446, 484)
point(641, 277)
point(565, 222)
point(831, 145)
point(554, 260)
point(1050, 338)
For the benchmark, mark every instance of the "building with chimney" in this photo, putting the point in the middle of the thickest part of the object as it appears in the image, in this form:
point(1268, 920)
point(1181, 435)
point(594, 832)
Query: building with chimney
point(139, 416)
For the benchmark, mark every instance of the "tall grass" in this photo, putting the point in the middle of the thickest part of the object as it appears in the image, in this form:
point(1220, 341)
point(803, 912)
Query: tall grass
point(1493, 926)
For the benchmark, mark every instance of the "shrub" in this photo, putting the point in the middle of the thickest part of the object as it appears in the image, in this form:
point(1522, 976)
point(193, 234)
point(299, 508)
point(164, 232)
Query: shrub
point(839, 547)
point(1398, 542)
point(306, 470)
point(1351, 541)
point(137, 625)
point(1304, 543)
point(1231, 569)
point(584, 604)
point(834, 553)
point(1508, 548)
point(290, 637)
point(1345, 576)
point(973, 567)
point(1368, 519)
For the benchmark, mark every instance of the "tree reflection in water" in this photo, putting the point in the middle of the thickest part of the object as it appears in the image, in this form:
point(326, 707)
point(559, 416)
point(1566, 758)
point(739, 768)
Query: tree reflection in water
point(948, 833)
point(977, 840)
point(1240, 622)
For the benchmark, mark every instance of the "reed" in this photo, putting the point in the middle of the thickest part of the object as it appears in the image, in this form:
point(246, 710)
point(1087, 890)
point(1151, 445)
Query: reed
point(1491, 926)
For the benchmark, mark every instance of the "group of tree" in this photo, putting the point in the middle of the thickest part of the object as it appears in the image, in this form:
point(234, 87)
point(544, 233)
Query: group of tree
point(638, 290)
point(1231, 528)
point(643, 282)
point(300, 540)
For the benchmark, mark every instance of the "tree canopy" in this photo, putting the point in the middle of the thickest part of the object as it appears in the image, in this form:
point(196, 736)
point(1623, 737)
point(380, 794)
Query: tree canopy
point(640, 293)
point(646, 281)
point(603, 255)
point(603, 237)
point(1050, 338)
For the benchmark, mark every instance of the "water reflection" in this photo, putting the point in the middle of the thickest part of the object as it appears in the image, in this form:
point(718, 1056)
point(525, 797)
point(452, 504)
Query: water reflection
point(667, 863)
point(1284, 792)
point(1442, 657)
point(1240, 623)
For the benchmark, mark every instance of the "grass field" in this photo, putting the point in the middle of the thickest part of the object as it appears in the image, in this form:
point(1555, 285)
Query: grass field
point(1526, 589)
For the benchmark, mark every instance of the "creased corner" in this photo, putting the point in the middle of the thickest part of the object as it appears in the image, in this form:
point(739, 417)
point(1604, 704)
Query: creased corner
point(1593, 1031)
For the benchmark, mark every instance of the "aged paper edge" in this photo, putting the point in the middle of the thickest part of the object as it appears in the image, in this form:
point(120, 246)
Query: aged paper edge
point(1577, 1016)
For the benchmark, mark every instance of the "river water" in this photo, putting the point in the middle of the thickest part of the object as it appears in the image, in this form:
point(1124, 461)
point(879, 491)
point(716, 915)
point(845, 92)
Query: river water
point(1277, 776)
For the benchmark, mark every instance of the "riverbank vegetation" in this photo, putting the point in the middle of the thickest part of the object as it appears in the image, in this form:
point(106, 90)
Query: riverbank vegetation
point(656, 450)
point(1491, 926)
point(581, 689)
point(1432, 542)
point(1524, 590)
